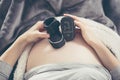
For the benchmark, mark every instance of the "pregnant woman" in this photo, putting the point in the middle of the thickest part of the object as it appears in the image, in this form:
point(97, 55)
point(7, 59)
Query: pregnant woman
point(84, 58)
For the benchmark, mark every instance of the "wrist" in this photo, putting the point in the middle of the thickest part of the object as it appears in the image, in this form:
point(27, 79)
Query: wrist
point(12, 54)
point(22, 40)
point(94, 44)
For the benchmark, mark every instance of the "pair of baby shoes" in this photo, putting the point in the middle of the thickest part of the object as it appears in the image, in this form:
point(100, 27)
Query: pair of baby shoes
point(57, 38)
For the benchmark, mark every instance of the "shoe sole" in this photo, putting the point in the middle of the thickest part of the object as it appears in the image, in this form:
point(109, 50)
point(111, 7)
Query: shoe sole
point(58, 44)
point(68, 28)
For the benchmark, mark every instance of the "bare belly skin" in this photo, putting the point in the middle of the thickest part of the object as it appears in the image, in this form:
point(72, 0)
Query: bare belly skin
point(76, 51)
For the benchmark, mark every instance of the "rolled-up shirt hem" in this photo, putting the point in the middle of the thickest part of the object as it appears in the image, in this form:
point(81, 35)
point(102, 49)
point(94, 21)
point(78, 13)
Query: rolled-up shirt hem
point(5, 70)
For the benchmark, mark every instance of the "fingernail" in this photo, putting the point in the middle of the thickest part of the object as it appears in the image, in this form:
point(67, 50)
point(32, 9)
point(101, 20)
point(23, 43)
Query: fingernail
point(48, 35)
point(75, 21)
point(66, 14)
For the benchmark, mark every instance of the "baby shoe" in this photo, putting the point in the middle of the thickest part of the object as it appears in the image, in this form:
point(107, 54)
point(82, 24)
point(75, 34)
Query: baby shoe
point(68, 28)
point(56, 38)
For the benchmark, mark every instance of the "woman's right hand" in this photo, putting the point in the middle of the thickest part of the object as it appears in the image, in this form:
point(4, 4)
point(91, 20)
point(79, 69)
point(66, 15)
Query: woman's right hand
point(35, 33)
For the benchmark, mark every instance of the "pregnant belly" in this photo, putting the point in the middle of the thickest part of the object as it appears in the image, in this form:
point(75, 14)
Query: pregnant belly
point(76, 51)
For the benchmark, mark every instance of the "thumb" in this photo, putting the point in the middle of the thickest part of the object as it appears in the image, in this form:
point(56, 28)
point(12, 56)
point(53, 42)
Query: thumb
point(43, 35)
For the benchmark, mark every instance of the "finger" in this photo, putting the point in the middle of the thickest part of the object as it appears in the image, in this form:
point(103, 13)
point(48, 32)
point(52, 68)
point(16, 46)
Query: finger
point(38, 26)
point(81, 25)
point(42, 29)
point(72, 16)
point(43, 35)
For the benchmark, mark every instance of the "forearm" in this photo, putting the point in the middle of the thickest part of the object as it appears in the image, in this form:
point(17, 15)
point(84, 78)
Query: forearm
point(105, 55)
point(11, 55)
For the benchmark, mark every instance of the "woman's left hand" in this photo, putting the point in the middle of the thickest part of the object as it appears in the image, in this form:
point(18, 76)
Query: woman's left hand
point(86, 30)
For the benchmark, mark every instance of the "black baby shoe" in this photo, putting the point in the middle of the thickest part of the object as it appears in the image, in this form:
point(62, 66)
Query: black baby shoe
point(56, 38)
point(68, 28)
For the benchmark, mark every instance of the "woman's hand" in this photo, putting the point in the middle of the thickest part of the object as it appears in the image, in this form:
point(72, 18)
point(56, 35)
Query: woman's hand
point(35, 33)
point(103, 53)
point(86, 31)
